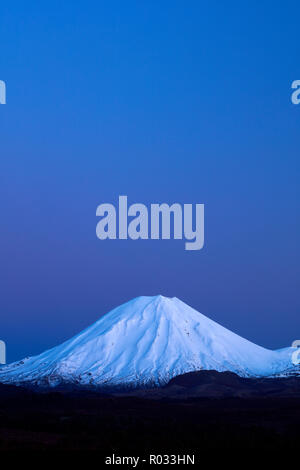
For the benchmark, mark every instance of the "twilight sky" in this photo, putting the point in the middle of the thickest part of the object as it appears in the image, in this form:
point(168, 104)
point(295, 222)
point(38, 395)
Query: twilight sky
point(167, 101)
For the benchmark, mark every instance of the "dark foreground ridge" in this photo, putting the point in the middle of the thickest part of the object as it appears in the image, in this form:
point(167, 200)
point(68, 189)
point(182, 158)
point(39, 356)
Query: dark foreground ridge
point(228, 384)
point(202, 410)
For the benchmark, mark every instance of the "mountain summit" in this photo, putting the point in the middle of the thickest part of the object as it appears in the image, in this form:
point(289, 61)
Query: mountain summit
point(146, 342)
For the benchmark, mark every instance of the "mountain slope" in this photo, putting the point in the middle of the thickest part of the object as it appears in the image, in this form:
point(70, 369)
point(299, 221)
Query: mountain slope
point(147, 341)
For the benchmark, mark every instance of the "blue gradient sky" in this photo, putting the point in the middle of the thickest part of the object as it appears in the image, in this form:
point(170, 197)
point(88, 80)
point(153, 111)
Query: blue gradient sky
point(164, 102)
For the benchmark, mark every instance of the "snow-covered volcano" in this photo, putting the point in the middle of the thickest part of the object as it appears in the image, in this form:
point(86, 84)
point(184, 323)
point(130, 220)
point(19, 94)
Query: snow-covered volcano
point(146, 341)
